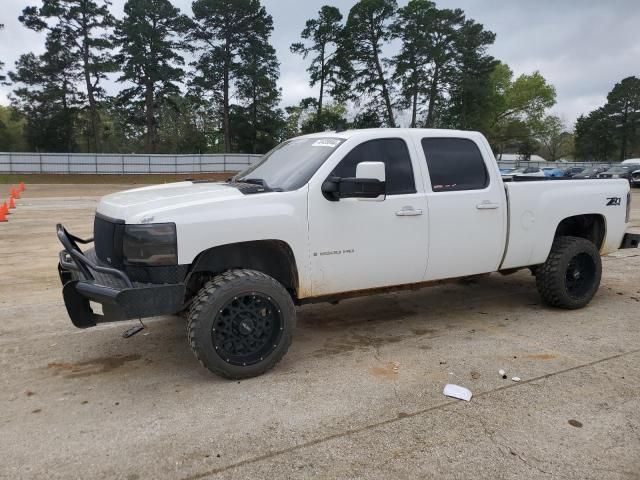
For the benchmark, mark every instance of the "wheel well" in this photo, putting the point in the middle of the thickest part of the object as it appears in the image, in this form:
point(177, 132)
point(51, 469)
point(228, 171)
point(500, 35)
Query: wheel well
point(272, 257)
point(588, 226)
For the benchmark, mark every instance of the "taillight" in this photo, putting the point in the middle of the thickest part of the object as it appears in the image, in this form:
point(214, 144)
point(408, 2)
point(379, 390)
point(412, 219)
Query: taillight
point(628, 216)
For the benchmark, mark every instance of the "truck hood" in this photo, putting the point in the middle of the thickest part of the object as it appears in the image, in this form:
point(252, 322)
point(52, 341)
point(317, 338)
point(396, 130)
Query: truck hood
point(135, 206)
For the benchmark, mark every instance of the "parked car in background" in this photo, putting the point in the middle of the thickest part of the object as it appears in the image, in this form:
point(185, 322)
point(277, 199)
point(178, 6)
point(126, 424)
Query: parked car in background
point(591, 172)
point(571, 171)
point(632, 161)
point(523, 172)
point(635, 178)
point(504, 171)
point(620, 171)
point(553, 172)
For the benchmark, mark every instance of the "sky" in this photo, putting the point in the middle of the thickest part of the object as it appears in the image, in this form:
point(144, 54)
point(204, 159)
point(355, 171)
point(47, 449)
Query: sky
point(582, 47)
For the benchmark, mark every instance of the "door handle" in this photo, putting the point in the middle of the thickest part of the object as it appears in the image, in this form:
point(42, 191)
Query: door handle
point(487, 205)
point(408, 212)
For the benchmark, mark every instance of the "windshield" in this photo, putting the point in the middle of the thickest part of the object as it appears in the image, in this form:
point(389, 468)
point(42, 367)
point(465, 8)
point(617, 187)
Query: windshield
point(291, 164)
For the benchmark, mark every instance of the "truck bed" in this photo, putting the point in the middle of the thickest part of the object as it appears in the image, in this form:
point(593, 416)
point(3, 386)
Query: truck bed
point(536, 208)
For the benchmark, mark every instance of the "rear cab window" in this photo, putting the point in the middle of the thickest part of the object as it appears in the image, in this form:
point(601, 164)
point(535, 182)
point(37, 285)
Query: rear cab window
point(454, 164)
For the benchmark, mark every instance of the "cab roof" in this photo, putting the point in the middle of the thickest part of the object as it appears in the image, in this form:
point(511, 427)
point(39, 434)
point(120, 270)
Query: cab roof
point(375, 132)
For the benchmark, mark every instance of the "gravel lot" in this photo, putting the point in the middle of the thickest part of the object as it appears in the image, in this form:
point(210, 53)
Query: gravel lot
point(358, 396)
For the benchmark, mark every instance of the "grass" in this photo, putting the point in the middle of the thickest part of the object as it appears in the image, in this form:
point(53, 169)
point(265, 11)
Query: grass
point(143, 179)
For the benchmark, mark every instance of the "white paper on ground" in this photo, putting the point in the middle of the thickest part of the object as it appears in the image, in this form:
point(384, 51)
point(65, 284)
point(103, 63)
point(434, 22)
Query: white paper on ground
point(456, 391)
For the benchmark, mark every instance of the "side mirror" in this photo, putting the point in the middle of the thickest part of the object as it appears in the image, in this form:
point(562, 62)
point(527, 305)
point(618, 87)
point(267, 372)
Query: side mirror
point(371, 170)
point(369, 183)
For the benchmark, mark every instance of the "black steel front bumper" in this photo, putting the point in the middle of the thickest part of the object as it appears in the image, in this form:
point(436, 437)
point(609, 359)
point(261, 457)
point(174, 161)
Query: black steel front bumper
point(85, 279)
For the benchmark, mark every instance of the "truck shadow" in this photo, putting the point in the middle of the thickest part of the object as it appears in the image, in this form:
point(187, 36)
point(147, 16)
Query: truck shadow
point(371, 322)
point(161, 352)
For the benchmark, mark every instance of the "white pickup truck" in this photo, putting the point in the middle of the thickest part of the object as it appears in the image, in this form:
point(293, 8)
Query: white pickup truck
point(329, 216)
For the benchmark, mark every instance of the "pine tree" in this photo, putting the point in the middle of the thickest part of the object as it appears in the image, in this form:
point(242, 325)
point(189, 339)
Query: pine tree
point(324, 34)
point(84, 25)
point(623, 107)
point(2, 77)
point(47, 95)
point(361, 67)
point(150, 37)
point(595, 136)
point(442, 53)
point(259, 96)
point(223, 30)
point(471, 96)
point(412, 27)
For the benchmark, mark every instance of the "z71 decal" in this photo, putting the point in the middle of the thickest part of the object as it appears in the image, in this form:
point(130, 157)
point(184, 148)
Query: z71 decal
point(613, 201)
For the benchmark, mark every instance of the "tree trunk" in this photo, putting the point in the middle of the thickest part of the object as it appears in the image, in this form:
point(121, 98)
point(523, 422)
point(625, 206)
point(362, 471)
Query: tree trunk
point(319, 121)
point(226, 125)
point(383, 84)
point(150, 141)
point(68, 132)
point(623, 139)
point(414, 99)
point(432, 96)
point(254, 113)
point(94, 117)
point(414, 109)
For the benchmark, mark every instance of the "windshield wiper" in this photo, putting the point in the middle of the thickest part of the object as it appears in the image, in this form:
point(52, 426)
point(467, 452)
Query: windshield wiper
point(256, 181)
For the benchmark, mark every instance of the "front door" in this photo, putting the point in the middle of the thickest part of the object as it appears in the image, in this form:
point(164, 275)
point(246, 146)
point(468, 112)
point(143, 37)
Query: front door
point(357, 244)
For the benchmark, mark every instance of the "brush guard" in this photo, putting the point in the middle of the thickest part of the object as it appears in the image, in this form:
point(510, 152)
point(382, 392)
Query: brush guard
point(86, 280)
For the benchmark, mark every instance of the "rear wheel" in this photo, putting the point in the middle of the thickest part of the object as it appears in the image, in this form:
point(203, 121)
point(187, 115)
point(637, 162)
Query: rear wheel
point(571, 275)
point(241, 323)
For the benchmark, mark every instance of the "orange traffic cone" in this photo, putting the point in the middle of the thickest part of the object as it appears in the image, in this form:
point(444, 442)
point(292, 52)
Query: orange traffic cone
point(21, 187)
point(4, 209)
point(15, 193)
point(3, 215)
point(12, 204)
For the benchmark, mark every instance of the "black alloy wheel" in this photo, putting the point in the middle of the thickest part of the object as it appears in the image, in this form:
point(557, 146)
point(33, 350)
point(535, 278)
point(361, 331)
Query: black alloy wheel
point(571, 275)
point(241, 323)
point(247, 329)
point(580, 274)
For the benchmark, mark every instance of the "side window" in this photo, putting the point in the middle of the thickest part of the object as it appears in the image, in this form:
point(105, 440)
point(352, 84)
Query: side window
point(395, 155)
point(454, 164)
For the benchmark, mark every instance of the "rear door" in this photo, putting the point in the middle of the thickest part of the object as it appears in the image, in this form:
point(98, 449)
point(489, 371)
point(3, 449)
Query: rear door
point(467, 208)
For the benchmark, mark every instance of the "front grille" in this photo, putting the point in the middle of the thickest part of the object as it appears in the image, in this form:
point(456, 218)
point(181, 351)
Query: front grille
point(107, 238)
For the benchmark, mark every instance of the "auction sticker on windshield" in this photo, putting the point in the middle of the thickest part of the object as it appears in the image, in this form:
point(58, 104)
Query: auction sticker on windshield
point(326, 142)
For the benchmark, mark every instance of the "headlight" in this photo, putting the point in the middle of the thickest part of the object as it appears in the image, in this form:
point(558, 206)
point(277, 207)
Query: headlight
point(152, 244)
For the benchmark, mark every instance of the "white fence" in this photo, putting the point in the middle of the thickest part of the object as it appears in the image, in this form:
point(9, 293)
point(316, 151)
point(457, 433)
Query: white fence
point(561, 165)
point(89, 163)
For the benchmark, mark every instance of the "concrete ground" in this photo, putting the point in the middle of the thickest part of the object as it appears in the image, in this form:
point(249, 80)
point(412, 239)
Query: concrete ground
point(359, 394)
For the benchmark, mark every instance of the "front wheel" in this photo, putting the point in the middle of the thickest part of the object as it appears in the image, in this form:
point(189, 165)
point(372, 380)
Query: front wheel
point(571, 275)
point(241, 324)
